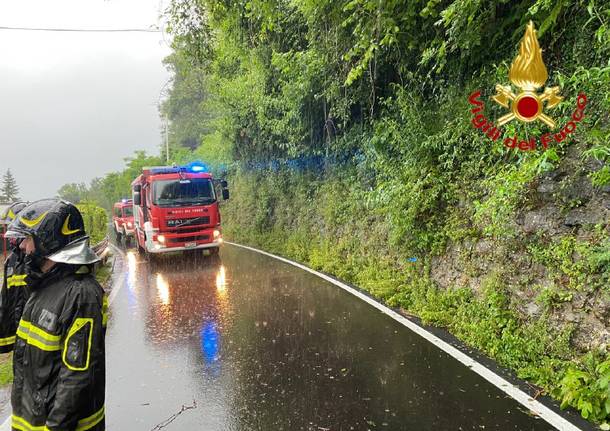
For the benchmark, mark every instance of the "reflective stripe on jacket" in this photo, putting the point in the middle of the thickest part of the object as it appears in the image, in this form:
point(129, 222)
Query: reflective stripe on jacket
point(59, 357)
point(13, 295)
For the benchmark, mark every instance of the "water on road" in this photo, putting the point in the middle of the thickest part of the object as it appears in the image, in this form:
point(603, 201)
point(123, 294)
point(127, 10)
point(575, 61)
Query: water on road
point(245, 342)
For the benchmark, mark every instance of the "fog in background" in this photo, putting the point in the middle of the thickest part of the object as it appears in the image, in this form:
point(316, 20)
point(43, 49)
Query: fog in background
point(74, 105)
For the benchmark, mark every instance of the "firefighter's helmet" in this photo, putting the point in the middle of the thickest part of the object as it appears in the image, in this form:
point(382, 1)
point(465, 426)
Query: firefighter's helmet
point(57, 229)
point(11, 212)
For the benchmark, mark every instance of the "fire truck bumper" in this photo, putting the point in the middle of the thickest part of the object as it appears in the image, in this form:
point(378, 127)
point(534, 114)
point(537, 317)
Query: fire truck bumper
point(159, 248)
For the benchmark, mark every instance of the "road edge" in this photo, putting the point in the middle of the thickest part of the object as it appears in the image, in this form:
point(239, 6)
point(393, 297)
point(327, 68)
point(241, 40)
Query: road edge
point(505, 386)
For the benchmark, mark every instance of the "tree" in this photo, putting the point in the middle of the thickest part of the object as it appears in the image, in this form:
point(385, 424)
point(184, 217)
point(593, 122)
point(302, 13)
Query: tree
point(9, 191)
point(112, 187)
point(73, 192)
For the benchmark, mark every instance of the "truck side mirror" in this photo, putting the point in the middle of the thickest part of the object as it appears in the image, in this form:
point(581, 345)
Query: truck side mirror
point(137, 198)
point(224, 184)
point(225, 194)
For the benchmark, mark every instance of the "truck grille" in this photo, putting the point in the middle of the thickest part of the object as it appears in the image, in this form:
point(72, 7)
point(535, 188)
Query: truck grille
point(188, 239)
point(185, 230)
point(190, 222)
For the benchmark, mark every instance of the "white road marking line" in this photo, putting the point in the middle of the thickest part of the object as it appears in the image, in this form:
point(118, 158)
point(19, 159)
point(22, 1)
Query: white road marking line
point(524, 399)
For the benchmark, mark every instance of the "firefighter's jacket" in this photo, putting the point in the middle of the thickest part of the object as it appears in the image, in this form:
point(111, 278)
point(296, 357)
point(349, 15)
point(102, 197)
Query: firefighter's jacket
point(13, 295)
point(59, 355)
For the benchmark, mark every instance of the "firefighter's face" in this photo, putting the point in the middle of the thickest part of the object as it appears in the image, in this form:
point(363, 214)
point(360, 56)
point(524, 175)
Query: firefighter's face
point(28, 246)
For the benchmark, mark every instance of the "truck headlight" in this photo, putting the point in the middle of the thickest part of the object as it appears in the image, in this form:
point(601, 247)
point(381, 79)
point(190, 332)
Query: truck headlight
point(161, 239)
point(216, 234)
point(129, 224)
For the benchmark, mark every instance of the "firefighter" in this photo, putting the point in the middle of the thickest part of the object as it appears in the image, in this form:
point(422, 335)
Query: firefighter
point(59, 353)
point(14, 291)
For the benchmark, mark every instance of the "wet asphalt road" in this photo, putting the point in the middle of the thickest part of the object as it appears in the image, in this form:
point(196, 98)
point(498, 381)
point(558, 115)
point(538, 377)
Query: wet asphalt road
point(255, 344)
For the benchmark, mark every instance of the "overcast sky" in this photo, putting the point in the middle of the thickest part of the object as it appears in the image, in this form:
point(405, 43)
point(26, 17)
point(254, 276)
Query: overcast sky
point(73, 105)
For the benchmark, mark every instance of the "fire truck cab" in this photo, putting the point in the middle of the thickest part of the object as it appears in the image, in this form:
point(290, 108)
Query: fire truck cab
point(176, 209)
point(122, 219)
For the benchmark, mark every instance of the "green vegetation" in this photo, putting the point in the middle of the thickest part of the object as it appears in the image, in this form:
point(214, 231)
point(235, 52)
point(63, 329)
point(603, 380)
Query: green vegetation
point(112, 187)
point(103, 273)
point(586, 388)
point(345, 131)
point(9, 190)
point(334, 225)
point(6, 369)
point(96, 221)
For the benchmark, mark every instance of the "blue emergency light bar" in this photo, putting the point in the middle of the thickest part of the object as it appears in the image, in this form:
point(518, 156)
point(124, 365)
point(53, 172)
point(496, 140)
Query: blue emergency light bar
point(195, 167)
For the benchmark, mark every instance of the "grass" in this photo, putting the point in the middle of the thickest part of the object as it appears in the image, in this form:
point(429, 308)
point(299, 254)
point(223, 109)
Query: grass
point(103, 273)
point(6, 369)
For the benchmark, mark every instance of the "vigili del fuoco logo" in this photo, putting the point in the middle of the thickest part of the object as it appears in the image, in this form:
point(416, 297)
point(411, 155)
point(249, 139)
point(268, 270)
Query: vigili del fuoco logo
point(528, 73)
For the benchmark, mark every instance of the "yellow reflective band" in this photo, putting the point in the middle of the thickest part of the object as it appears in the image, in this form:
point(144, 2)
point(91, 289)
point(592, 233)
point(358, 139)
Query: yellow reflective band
point(38, 337)
point(91, 421)
point(10, 215)
point(7, 341)
point(40, 332)
point(105, 311)
point(23, 425)
point(16, 280)
point(76, 326)
point(83, 424)
point(65, 229)
point(32, 223)
point(83, 270)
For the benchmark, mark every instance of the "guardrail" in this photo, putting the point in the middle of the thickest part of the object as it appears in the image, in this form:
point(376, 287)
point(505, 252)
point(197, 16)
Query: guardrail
point(102, 249)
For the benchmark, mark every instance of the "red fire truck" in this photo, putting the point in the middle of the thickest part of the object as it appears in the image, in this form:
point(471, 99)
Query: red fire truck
point(176, 209)
point(122, 220)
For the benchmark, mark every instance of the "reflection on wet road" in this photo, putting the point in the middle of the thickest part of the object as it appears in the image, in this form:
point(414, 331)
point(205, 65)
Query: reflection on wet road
point(259, 345)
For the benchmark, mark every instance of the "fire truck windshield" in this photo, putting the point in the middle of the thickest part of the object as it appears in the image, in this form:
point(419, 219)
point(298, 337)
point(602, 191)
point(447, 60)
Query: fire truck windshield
point(194, 191)
point(127, 211)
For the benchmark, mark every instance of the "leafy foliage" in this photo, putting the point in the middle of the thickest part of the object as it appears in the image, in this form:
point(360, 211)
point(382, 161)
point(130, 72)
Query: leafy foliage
point(327, 225)
point(73, 192)
point(587, 386)
point(377, 91)
point(111, 188)
point(96, 221)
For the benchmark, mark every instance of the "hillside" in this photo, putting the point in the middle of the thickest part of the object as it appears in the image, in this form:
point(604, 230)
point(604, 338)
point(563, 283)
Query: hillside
point(350, 136)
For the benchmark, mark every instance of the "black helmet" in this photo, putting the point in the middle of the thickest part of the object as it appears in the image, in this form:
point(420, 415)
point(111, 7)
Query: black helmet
point(58, 231)
point(12, 211)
